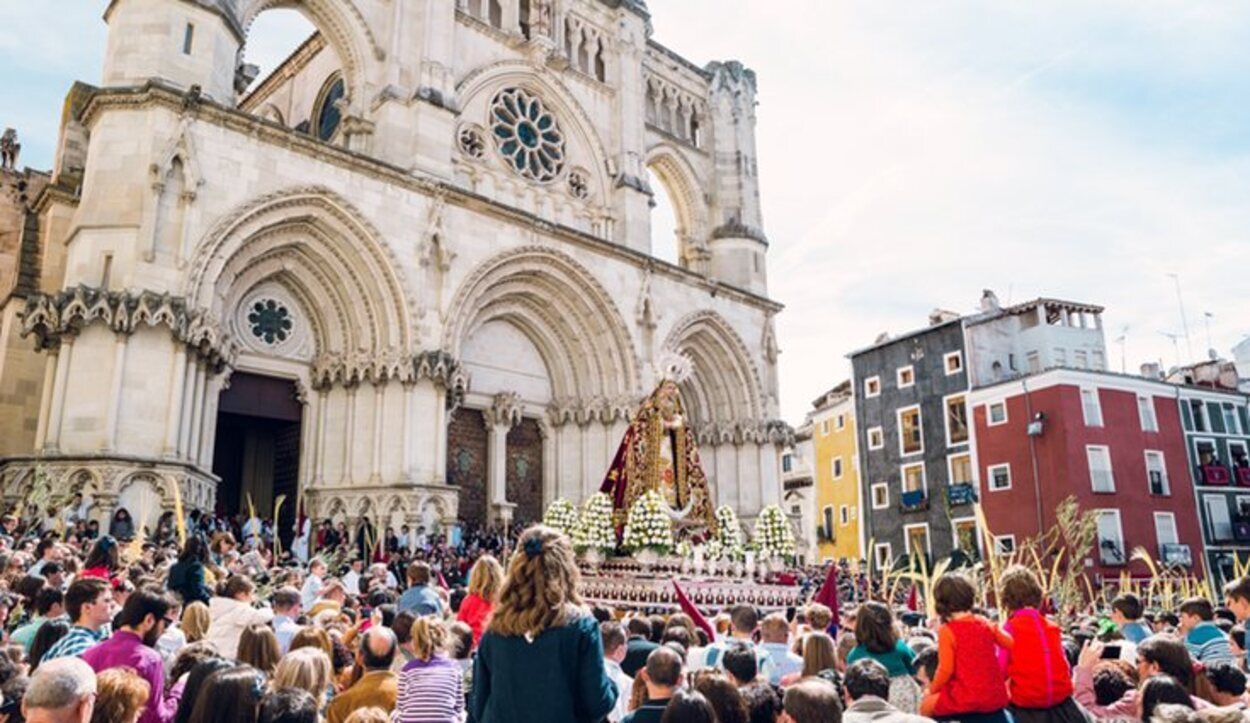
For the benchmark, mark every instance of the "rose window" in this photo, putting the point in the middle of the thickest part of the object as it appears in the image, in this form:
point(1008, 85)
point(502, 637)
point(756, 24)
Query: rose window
point(270, 320)
point(527, 134)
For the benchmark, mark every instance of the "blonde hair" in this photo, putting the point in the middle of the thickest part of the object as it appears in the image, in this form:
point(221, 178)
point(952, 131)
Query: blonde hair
point(315, 638)
point(818, 654)
point(258, 647)
point(121, 696)
point(307, 669)
point(429, 636)
point(195, 621)
point(540, 591)
point(368, 715)
point(486, 578)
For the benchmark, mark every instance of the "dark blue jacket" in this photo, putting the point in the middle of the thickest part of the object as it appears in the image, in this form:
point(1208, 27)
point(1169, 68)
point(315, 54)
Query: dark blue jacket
point(557, 678)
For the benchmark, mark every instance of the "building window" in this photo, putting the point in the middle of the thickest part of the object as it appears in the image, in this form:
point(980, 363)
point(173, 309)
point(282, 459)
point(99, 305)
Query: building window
point(882, 556)
point(841, 422)
point(1237, 454)
point(960, 467)
point(1231, 423)
point(1206, 451)
point(953, 362)
point(1034, 361)
point(1004, 544)
point(906, 377)
point(1100, 474)
point(880, 496)
point(1111, 538)
point(872, 387)
point(1157, 473)
point(1000, 477)
point(1080, 359)
point(911, 433)
point(787, 462)
point(1146, 412)
point(844, 513)
point(1165, 530)
point(824, 428)
point(876, 438)
point(956, 420)
point(1092, 407)
point(328, 116)
point(917, 537)
point(527, 134)
point(188, 39)
point(964, 532)
point(270, 321)
point(828, 515)
point(837, 468)
point(1217, 517)
point(1100, 362)
point(996, 413)
point(913, 477)
point(1061, 357)
point(1198, 409)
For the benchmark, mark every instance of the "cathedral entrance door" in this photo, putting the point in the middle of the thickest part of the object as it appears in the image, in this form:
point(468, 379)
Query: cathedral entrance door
point(258, 448)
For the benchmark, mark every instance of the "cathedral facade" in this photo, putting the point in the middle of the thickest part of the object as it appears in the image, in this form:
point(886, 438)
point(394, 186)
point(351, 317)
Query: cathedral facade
point(408, 275)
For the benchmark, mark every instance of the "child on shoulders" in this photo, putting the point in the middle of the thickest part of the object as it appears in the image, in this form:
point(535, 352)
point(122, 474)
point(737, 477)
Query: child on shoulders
point(1039, 680)
point(969, 684)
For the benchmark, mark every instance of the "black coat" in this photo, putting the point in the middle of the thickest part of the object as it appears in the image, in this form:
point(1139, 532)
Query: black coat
point(636, 652)
point(186, 578)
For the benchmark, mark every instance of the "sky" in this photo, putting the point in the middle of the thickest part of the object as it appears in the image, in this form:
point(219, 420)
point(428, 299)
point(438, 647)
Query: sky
point(915, 153)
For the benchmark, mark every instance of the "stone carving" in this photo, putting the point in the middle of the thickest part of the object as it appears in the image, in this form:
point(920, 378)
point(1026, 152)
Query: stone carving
point(579, 185)
point(332, 368)
point(472, 141)
point(9, 150)
point(505, 410)
point(50, 317)
point(433, 251)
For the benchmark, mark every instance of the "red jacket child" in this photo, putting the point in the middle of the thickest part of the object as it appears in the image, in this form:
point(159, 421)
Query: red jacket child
point(1038, 675)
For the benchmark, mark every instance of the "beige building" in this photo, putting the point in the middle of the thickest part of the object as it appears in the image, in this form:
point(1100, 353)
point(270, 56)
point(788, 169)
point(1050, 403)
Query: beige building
point(409, 275)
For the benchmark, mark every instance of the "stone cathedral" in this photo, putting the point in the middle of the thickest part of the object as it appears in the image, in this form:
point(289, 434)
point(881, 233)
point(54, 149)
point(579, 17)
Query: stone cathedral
point(406, 275)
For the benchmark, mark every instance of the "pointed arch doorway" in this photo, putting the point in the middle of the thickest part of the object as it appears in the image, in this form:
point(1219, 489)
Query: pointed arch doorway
point(257, 448)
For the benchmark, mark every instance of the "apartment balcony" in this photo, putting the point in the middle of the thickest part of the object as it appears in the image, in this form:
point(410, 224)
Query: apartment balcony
point(1214, 475)
point(1173, 554)
point(916, 501)
point(961, 494)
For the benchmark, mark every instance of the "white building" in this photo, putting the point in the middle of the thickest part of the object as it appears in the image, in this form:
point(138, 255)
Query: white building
point(1027, 338)
point(409, 276)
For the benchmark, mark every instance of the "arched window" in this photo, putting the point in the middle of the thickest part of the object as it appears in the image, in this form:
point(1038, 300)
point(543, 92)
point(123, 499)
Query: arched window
point(328, 116)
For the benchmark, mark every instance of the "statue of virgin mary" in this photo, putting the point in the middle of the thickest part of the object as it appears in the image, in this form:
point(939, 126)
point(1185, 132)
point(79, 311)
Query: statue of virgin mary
point(659, 452)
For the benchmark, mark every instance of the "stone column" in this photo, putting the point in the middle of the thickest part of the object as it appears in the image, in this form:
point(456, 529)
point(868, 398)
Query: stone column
point(349, 437)
point(45, 400)
point(115, 393)
point(208, 430)
point(197, 414)
point(379, 405)
point(173, 419)
point(319, 458)
point(57, 412)
point(504, 414)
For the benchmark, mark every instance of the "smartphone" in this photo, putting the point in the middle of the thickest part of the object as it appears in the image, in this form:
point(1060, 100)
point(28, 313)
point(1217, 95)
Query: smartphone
point(1111, 652)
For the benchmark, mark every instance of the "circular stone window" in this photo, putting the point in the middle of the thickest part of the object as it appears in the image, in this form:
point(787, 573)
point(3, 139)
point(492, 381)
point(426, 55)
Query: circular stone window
point(527, 134)
point(270, 321)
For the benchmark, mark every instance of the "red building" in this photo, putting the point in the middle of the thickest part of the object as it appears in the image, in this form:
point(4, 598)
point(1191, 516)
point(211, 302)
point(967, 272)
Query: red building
point(1112, 441)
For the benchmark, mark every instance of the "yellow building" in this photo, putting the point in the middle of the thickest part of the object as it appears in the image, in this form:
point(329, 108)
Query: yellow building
point(836, 474)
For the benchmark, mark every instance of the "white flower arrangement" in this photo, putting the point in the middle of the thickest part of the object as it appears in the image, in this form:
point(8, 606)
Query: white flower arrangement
point(648, 527)
point(728, 531)
point(713, 550)
point(773, 535)
point(562, 516)
point(594, 529)
point(685, 550)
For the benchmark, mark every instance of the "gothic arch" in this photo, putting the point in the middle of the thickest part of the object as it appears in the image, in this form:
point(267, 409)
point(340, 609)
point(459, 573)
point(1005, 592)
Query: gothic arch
point(325, 253)
point(564, 311)
point(575, 121)
point(685, 188)
point(724, 386)
point(344, 27)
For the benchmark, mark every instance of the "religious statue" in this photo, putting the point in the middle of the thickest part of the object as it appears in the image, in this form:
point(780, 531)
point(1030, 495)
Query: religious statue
point(659, 452)
point(9, 149)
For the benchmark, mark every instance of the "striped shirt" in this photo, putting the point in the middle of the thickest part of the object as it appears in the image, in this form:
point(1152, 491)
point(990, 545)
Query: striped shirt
point(75, 642)
point(430, 692)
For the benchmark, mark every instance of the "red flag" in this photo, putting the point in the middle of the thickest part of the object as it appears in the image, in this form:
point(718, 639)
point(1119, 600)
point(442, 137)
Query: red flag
point(913, 603)
point(442, 581)
point(688, 608)
point(828, 596)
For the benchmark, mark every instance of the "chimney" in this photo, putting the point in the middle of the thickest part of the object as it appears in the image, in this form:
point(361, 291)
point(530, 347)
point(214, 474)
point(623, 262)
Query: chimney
point(941, 316)
point(1151, 370)
point(989, 300)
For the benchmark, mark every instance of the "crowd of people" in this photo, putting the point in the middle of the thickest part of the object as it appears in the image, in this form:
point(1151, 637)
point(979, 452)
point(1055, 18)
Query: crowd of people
point(416, 628)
